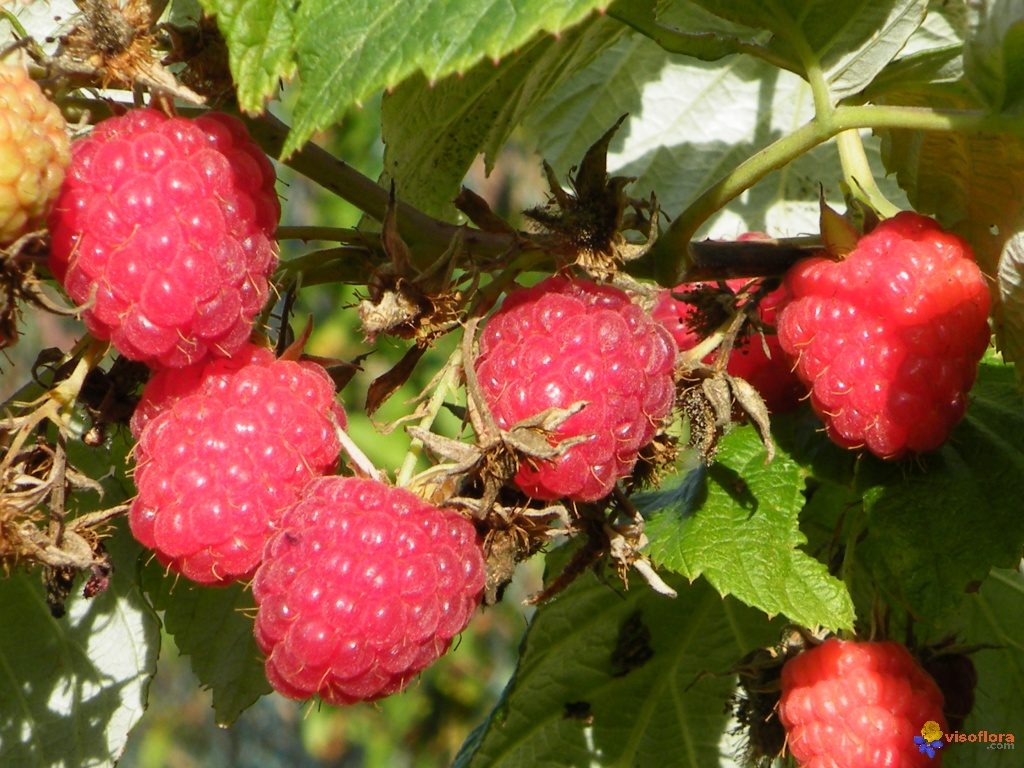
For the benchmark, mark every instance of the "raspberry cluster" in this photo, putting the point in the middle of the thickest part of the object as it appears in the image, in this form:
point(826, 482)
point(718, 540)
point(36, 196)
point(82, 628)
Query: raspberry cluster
point(848, 704)
point(361, 587)
point(565, 341)
point(223, 448)
point(34, 152)
point(888, 339)
point(164, 230)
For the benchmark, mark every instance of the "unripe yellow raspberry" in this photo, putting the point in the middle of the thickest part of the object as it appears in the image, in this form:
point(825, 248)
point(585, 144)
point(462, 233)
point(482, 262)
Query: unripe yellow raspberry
point(34, 151)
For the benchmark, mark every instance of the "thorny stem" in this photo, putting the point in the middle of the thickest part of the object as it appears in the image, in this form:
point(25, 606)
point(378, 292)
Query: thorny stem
point(330, 234)
point(15, 23)
point(434, 405)
point(416, 228)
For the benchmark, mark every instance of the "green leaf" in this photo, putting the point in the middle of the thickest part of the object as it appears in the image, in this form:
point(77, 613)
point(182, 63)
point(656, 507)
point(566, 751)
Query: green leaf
point(260, 35)
point(936, 531)
point(345, 51)
point(683, 133)
point(994, 618)
point(213, 627)
point(741, 532)
point(848, 43)
point(1010, 281)
point(972, 183)
point(432, 133)
point(685, 28)
point(621, 679)
point(74, 687)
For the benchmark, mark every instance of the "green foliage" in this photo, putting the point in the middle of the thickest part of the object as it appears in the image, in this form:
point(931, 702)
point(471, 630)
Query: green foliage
point(682, 135)
point(993, 622)
point(617, 678)
point(260, 37)
point(804, 37)
point(346, 51)
point(739, 529)
point(213, 627)
point(919, 519)
point(433, 131)
point(972, 182)
point(74, 687)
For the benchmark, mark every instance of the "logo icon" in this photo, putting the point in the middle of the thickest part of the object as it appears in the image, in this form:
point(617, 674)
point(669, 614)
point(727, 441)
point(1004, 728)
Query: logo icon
point(930, 739)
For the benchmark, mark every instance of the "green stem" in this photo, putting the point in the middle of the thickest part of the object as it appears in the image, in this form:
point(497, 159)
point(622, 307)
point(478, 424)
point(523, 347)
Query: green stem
point(858, 175)
point(15, 23)
point(669, 252)
point(447, 382)
point(852, 157)
point(668, 258)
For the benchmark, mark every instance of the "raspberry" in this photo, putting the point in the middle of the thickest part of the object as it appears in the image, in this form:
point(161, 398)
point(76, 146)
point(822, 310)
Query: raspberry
point(167, 225)
point(849, 704)
point(221, 454)
point(168, 385)
point(566, 340)
point(889, 338)
point(34, 152)
point(770, 373)
point(361, 588)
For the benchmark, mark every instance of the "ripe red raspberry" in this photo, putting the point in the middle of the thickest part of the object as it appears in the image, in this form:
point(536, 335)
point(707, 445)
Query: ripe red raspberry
point(168, 385)
point(889, 338)
point(849, 704)
point(771, 373)
point(222, 454)
point(566, 340)
point(361, 588)
point(167, 225)
point(34, 152)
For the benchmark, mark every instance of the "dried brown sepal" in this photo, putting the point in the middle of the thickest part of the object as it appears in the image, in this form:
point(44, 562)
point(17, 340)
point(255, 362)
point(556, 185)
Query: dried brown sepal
point(480, 213)
point(112, 42)
point(385, 385)
point(657, 460)
point(204, 53)
point(587, 223)
point(18, 282)
point(713, 401)
point(33, 528)
point(514, 534)
point(410, 303)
